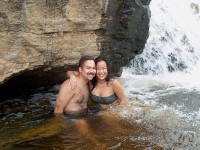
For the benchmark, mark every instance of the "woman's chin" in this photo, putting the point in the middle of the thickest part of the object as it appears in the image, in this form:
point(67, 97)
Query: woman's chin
point(101, 78)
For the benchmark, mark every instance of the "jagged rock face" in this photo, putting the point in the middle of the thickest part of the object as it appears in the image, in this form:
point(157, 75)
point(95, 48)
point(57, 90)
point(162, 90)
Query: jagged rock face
point(41, 39)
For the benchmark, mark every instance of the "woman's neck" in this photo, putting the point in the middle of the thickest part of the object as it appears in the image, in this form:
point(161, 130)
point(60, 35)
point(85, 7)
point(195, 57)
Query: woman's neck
point(101, 82)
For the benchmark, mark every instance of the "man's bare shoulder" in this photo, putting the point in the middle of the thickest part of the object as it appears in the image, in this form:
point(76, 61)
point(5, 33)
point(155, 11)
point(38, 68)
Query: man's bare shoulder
point(65, 86)
point(65, 82)
point(65, 91)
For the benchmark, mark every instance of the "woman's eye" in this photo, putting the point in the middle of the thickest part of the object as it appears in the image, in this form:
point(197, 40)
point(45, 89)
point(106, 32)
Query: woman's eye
point(101, 68)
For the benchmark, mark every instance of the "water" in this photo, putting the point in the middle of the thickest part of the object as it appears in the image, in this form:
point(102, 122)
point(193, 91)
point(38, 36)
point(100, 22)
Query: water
point(27, 122)
point(165, 77)
point(161, 85)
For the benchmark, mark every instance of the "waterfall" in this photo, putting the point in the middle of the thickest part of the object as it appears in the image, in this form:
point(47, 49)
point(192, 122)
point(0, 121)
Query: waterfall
point(165, 77)
point(174, 41)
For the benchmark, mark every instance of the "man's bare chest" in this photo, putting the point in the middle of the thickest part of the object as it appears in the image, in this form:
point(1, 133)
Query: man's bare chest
point(81, 96)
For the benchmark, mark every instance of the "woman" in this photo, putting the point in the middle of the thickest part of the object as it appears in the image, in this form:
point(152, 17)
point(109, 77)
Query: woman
point(104, 88)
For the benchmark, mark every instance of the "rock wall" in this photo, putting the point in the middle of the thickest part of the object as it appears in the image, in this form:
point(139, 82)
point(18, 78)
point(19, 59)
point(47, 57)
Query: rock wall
point(41, 39)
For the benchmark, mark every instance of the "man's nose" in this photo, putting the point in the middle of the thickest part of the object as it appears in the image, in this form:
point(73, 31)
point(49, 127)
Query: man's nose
point(93, 70)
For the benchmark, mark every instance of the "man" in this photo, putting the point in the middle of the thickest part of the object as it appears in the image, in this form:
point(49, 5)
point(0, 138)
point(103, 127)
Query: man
point(74, 102)
point(71, 101)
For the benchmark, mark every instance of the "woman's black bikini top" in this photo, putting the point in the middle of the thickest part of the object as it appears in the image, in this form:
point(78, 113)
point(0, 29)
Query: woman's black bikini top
point(104, 100)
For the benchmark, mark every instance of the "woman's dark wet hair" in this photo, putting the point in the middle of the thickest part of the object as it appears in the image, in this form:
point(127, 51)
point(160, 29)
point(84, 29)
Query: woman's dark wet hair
point(108, 64)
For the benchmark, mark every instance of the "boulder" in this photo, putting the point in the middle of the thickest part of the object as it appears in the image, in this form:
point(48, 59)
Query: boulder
point(41, 39)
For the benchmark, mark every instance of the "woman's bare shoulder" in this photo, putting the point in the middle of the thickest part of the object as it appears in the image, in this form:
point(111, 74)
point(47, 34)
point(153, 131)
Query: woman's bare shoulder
point(111, 81)
point(115, 82)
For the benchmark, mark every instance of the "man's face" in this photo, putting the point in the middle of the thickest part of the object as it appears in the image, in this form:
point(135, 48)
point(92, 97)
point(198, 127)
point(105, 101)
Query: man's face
point(88, 70)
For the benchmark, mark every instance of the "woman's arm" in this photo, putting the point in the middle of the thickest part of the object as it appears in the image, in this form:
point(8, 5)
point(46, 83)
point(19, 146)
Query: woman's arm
point(72, 79)
point(118, 90)
point(71, 73)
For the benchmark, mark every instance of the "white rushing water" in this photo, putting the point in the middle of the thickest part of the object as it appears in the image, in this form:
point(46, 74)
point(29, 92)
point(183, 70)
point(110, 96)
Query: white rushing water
point(163, 82)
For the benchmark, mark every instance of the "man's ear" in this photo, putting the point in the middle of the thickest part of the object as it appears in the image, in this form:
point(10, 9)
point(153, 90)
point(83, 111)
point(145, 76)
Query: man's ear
point(79, 69)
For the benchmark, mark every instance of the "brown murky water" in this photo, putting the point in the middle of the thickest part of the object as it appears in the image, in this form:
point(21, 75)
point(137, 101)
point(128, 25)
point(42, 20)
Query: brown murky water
point(92, 132)
point(29, 124)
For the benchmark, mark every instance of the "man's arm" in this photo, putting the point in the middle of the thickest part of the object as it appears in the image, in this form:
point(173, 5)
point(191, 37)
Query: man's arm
point(63, 98)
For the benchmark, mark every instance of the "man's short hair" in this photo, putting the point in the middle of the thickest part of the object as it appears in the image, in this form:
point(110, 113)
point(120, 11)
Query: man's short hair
point(83, 59)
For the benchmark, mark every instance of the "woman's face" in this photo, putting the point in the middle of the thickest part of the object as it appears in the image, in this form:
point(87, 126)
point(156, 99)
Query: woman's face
point(102, 71)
